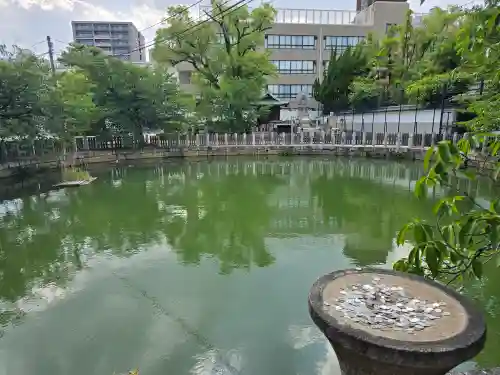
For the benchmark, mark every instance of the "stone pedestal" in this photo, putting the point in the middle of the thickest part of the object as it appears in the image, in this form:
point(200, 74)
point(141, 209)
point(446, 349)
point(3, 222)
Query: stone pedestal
point(364, 349)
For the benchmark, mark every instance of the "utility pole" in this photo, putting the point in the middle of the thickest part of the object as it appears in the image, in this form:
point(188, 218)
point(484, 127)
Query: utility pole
point(51, 55)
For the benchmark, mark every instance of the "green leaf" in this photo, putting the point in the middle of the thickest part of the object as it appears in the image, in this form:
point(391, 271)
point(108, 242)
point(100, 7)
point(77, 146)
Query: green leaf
point(449, 234)
point(401, 265)
point(495, 205)
point(495, 148)
point(443, 250)
point(432, 259)
point(440, 169)
point(427, 158)
point(464, 234)
point(464, 145)
point(494, 235)
point(419, 234)
point(400, 240)
point(454, 149)
point(444, 151)
point(477, 268)
point(421, 188)
point(454, 257)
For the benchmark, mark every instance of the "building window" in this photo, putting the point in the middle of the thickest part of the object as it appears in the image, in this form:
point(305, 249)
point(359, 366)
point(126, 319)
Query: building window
point(291, 41)
point(289, 91)
point(340, 43)
point(295, 66)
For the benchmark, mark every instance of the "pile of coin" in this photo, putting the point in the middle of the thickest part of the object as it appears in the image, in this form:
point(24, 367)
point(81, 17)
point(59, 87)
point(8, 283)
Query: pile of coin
point(385, 307)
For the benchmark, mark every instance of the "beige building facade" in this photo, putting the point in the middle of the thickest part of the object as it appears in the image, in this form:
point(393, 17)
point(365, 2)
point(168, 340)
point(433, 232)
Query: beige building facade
point(302, 40)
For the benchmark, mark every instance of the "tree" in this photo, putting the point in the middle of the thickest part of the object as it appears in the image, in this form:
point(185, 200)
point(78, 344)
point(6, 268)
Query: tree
point(334, 90)
point(130, 97)
point(70, 105)
point(412, 64)
point(465, 234)
point(230, 66)
point(24, 79)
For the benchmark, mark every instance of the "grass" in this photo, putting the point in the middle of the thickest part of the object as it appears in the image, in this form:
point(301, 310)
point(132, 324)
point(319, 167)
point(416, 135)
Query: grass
point(75, 174)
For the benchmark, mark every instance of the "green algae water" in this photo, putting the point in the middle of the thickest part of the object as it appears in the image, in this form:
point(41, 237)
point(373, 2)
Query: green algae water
point(200, 268)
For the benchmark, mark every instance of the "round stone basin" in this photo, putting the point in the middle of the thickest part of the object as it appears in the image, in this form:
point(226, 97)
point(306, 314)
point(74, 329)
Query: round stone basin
point(373, 349)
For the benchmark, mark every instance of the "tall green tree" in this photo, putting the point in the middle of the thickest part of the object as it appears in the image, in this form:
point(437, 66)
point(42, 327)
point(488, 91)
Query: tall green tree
point(230, 66)
point(24, 79)
point(70, 106)
point(131, 98)
point(334, 89)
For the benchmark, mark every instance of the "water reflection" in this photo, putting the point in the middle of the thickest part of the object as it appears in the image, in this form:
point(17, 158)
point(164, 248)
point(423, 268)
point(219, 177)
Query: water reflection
point(230, 246)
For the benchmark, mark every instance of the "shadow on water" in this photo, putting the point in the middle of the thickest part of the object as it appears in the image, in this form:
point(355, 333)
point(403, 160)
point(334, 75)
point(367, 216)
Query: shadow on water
point(302, 215)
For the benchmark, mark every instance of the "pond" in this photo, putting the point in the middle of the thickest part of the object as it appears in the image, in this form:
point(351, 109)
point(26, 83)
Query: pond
point(200, 267)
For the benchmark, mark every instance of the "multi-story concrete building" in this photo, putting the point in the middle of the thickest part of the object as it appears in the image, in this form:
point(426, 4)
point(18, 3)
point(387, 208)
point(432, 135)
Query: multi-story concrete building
point(120, 39)
point(301, 42)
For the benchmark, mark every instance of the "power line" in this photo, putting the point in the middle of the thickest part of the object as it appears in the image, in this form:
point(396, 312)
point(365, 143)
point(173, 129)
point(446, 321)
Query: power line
point(194, 27)
point(37, 43)
point(169, 18)
point(163, 20)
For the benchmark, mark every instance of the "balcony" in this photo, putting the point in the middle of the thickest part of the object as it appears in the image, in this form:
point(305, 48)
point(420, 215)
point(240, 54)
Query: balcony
point(119, 29)
point(84, 34)
point(81, 27)
point(103, 43)
point(121, 35)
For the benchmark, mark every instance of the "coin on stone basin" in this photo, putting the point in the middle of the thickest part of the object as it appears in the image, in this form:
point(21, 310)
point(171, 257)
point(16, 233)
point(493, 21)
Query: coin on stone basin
point(386, 307)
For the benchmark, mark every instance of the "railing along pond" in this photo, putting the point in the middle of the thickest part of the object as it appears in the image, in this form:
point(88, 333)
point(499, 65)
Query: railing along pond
point(326, 140)
point(50, 149)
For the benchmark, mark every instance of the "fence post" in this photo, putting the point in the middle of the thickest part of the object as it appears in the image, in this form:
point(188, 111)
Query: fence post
point(374, 138)
point(253, 139)
point(410, 140)
point(216, 139)
point(385, 139)
point(455, 138)
point(363, 140)
point(207, 139)
point(422, 146)
point(311, 137)
point(484, 145)
point(398, 141)
point(342, 141)
point(236, 139)
point(433, 139)
point(225, 139)
point(353, 138)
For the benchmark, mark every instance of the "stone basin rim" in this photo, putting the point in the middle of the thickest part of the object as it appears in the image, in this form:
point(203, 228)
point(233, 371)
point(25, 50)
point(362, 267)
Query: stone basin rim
point(472, 336)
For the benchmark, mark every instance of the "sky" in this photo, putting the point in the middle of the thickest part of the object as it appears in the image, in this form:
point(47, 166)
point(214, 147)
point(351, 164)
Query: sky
point(26, 23)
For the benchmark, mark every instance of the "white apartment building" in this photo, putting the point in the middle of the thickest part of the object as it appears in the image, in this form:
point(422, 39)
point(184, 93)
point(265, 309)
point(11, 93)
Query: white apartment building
point(119, 39)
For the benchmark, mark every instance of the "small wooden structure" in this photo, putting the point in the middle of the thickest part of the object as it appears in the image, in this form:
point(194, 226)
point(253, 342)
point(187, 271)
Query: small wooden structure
point(274, 105)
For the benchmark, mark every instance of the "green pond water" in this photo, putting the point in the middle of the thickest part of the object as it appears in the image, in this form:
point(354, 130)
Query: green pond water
point(200, 268)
